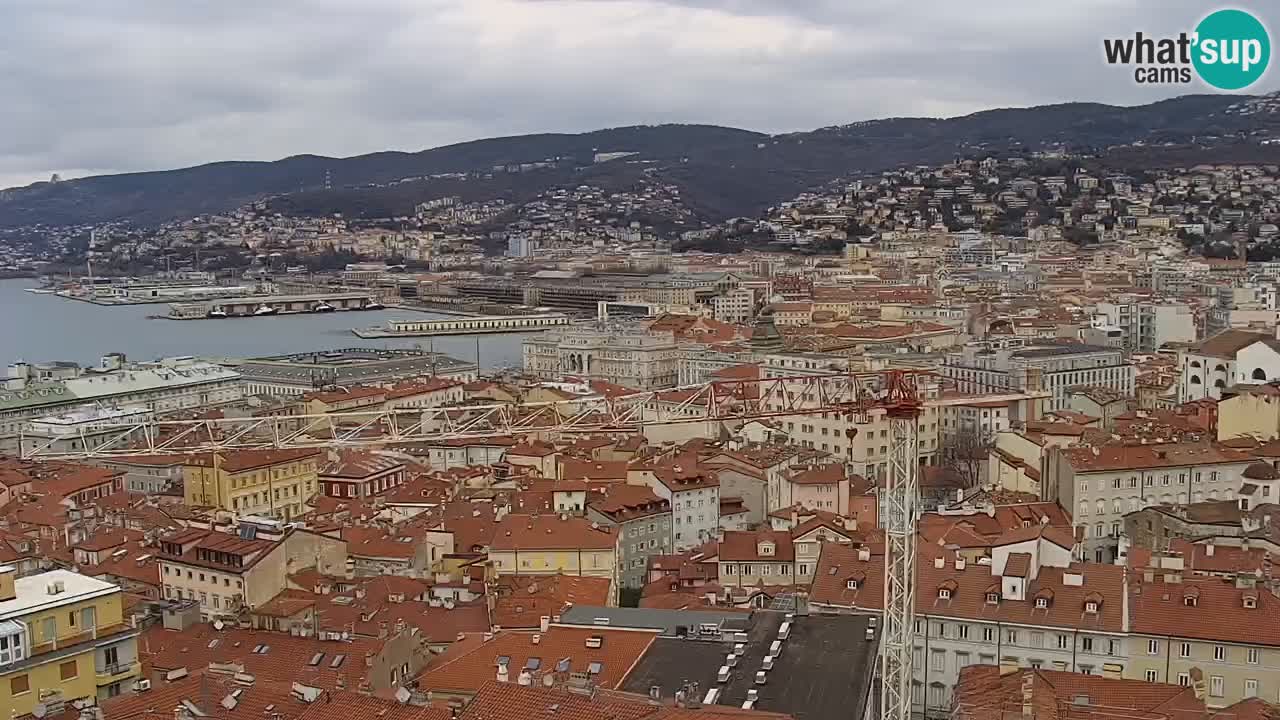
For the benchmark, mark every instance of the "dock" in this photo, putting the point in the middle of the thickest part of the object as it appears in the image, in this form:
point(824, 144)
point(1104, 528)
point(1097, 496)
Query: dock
point(474, 325)
point(273, 305)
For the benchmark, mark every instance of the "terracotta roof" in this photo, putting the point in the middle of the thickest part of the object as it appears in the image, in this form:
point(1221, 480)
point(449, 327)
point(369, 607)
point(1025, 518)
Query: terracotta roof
point(550, 532)
point(521, 601)
point(1218, 614)
point(1018, 565)
point(985, 692)
point(1229, 342)
point(470, 665)
point(818, 475)
point(745, 545)
point(1122, 457)
point(1101, 583)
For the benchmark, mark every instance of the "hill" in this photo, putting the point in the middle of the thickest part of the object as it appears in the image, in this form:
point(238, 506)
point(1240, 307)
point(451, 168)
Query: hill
point(722, 172)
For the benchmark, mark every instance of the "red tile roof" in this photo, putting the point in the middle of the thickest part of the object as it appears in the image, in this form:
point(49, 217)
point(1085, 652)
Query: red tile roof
point(469, 665)
point(550, 532)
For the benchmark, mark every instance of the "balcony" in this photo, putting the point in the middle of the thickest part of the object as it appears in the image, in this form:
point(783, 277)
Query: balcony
point(114, 673)
point(69, 641)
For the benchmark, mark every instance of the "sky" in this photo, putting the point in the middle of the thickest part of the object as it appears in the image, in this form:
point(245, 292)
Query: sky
point(91, 87)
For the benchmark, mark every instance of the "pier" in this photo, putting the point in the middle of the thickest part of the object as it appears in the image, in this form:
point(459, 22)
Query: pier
point(269, 305)
point(465, 326)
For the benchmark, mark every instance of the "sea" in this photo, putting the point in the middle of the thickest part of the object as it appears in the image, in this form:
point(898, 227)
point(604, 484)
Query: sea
point(42, 328)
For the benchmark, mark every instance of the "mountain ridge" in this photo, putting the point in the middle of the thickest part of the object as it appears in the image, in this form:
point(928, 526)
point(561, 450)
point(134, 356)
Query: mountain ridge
point(728, 171)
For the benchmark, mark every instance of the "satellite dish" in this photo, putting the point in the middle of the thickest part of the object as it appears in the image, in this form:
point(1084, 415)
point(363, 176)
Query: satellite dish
point(403, 695)
point(217, 625)
point(39, 710)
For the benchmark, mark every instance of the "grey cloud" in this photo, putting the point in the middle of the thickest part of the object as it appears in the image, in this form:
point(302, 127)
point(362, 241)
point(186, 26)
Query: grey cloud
point(96, 87)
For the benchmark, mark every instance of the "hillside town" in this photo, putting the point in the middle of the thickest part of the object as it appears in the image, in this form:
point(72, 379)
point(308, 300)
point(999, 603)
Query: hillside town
point(680, 502)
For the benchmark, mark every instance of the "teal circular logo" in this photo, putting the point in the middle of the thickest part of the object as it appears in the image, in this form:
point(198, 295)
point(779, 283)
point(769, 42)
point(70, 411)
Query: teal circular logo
point(1232, 49)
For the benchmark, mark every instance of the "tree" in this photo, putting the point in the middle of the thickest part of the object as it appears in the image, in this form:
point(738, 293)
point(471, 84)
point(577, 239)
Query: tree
point(965, 453)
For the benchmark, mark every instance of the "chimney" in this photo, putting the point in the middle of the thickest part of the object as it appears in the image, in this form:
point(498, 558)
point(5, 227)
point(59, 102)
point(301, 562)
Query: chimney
point(8, 574)
point(959, 562)
point(939, 562)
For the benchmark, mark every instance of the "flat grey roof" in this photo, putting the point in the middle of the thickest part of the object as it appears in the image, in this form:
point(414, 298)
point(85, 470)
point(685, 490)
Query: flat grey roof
point(668, 621)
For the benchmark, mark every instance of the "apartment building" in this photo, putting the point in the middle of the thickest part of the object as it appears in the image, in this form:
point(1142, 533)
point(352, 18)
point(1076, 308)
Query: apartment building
point(817, 487)
point(1052, 368)
point(644, 527)
point(1226, 630)
point(748, 558)
point(1028, 606)
point(227, 572)
point(270, 483)
point(554, 545)
point(1147, 326)
point(63, 639)
point(360, 474)
point(694, 494)
point(1100, 485)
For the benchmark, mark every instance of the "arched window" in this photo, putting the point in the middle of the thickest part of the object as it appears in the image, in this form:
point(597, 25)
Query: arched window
point(1195, 379)
point(1260, 374)
point(1220, 368)
point(1195, 363)
point(1219, 383)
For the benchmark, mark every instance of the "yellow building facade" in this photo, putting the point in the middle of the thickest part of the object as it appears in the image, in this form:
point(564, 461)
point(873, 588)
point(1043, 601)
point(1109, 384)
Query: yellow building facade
point(270, 483)
point(62, 638)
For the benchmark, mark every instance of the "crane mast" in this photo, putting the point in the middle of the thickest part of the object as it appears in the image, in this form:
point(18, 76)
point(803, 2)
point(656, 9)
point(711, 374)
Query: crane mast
point(903, 406)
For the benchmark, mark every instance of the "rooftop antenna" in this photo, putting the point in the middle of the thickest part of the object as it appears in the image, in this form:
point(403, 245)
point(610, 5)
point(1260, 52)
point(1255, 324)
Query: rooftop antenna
point(88, 255)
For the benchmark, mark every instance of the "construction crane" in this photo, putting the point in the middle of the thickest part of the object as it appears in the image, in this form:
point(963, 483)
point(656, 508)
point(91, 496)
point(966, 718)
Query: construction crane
point(899, 394)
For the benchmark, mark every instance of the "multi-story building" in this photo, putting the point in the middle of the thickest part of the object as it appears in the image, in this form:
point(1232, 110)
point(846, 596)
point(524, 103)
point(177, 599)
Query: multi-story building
point(695, 501)
point(555, 544)
point(360, 474)
point(1232, 357)
point(156, 475)
point(63, 639)
point(1225, 630)
point(748, 558)
point(1030, 606)
point(301, 373)
point(623, 354)
point(1100, 485)
point(225, 572)
point(29, 392)
point(736, 306)
point(269, 483)
point(1147, 326)
point(1052, 368)
point(644, 527)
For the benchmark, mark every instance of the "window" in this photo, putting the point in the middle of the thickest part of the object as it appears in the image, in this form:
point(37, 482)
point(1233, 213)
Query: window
point(1042, 603)
point(68, 671)
point(1184, 679)
point(1086, 644)
point(1219, 653)
point(1253, 656)
point(1012, 637)
point(944, 594)
point(962, 660)
point(1152, 675)
point(20, 684)
point(938, 659)
point(1062, 642)
point(1185, 650)
point(988, 634)
point(963, 632)
point(1153, 648)
point(1216, 686)
point(1251, 688)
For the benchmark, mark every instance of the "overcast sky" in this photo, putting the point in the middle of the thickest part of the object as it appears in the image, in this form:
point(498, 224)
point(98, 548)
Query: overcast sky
point(103, 86)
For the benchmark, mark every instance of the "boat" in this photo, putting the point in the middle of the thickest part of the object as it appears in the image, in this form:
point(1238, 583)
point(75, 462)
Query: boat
point(216, 312)
point(372, 304)
point(322, 306)
point(264, 309)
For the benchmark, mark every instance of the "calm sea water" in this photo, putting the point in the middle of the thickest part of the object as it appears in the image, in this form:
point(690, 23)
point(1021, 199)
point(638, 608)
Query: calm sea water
point(39, 328)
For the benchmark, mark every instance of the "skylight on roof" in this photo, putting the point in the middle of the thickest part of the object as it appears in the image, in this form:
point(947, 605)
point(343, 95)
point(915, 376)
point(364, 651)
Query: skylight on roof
point(563, 665)
point(533, 663)
point(337, 660)
point(595, 668)
point(315, 659)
